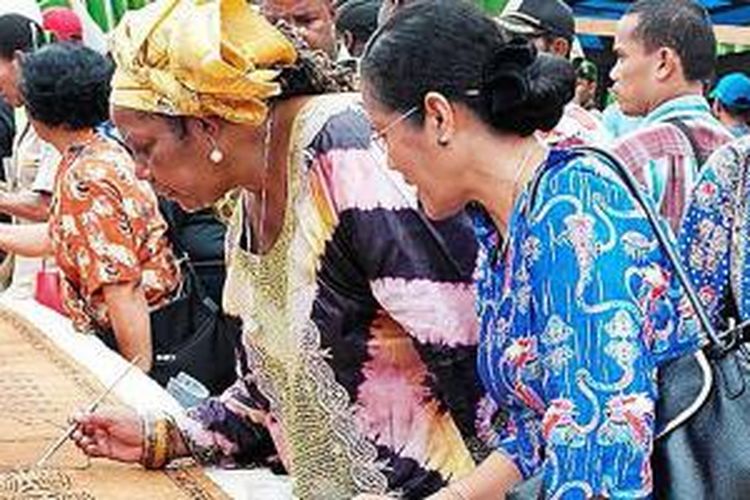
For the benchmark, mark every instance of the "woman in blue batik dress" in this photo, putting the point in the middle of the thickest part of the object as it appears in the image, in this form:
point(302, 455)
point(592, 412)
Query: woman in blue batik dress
point(577, 302)
point(714, 234)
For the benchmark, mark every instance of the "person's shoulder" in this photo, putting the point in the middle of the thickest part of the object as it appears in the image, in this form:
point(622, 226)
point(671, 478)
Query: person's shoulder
point(334, 122)
point(105, 161)
point(337, 152)
point(562, 163)
point(576, 173)
point(729, 163)
point(643, 132)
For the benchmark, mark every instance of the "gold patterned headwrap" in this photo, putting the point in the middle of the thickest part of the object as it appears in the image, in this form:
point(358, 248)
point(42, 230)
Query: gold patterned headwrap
point(199, 58)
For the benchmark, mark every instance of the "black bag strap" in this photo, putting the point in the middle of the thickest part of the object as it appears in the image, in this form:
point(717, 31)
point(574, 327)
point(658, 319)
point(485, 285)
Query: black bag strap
point(664, 240)
point(685, 130)
point(186, 264)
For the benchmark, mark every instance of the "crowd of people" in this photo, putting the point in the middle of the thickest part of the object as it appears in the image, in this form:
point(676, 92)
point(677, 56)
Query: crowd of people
point(444, 287)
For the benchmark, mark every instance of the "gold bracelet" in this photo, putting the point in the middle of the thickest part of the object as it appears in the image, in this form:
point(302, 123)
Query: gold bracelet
point(161, 443)
point(145, 449)
point(156, 446)
point(174, 437)
point(148, 438)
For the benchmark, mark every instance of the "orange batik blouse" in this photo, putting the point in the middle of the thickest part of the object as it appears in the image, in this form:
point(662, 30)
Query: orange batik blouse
point(106, 229)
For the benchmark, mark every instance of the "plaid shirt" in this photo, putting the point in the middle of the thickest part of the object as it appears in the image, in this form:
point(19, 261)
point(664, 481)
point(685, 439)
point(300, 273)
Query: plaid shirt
point(661, 157)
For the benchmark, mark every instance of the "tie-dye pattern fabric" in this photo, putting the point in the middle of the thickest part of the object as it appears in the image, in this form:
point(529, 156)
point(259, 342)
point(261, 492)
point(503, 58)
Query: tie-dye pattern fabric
point(576, 317)
point(358, 368)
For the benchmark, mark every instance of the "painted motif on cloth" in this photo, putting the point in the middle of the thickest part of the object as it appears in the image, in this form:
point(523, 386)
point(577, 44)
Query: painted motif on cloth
point(41, 387)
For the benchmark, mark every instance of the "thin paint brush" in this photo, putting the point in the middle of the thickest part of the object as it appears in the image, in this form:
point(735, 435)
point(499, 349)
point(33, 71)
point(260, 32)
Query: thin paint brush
point(91, 409)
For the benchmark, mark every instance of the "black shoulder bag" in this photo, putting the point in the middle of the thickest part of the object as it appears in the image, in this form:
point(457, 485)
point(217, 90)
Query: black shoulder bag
point(191, 334)
point(702, 447)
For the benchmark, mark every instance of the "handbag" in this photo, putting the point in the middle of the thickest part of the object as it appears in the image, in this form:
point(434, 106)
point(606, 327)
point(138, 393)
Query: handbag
point(702, 445)
point(191, 334)
point(47, 288)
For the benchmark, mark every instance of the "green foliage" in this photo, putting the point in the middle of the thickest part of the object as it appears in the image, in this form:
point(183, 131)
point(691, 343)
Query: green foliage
point(492, 6)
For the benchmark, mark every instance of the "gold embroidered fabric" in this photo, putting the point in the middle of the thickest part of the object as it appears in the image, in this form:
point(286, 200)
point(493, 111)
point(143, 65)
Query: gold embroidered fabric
point(329, 456)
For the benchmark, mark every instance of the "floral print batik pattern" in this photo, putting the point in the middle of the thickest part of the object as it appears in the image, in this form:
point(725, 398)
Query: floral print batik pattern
point(714, 234)
point(576, 316)
point(106, 229)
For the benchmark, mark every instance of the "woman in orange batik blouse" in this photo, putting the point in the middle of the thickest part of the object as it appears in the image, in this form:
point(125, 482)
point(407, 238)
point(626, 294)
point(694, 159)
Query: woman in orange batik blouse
point(104, 230)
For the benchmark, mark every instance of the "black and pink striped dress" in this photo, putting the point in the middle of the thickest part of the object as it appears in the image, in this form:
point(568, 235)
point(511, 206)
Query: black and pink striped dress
point(360, 335)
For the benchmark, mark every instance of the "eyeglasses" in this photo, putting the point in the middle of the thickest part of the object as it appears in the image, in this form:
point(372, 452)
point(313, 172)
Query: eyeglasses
point(378, 138)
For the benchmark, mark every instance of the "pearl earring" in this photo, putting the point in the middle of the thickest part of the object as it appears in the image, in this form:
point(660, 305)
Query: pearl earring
point(216, 156)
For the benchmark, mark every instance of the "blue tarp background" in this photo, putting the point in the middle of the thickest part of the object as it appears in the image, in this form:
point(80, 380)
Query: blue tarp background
point(722, 11)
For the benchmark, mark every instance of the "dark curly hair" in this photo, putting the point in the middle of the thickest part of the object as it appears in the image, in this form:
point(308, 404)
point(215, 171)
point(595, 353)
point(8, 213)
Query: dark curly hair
point(67, 85)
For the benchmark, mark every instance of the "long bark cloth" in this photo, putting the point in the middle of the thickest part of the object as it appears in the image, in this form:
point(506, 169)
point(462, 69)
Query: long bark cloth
point(40, 386)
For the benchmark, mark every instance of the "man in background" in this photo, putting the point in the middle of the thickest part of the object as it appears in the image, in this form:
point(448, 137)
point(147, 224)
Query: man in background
point(732, 103)
point(550, 26)
point(666, 50)
point(356, 21)
point(64, 24)
point(587, 78)
point(34, 162)
point(30, 173)
point(315, 20)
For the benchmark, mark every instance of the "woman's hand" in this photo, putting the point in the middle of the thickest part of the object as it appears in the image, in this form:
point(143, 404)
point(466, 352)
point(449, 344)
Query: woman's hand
point(113, 434)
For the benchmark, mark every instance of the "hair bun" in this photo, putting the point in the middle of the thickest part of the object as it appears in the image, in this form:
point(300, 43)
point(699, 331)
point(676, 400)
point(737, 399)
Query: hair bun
point(505, 82)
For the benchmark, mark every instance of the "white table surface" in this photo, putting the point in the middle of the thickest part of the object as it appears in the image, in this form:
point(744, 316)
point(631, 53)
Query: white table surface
point(139, 392)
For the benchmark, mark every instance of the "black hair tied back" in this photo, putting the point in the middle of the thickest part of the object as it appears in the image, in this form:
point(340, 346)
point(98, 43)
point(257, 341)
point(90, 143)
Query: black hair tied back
point(505, 82)
point(525, 91)
point(470, 60)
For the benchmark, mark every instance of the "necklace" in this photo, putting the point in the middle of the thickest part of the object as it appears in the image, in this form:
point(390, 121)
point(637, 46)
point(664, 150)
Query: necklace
point(264, 177)
point(522, 168)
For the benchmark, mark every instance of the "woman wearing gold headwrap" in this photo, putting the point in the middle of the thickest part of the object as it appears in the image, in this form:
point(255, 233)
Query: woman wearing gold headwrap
point(357, 369)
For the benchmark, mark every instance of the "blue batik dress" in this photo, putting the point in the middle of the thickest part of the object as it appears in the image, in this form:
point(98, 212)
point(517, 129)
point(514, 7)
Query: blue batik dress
point(577, 314)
